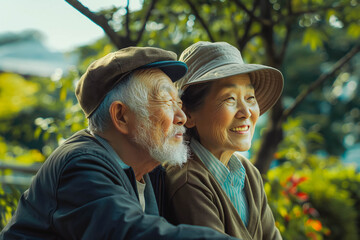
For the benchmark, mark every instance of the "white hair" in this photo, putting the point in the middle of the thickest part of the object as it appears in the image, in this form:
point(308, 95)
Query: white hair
point(129, 91)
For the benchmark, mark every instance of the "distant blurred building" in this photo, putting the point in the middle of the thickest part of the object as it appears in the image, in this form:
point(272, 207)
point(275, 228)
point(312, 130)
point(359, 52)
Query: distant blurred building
point(24, 53)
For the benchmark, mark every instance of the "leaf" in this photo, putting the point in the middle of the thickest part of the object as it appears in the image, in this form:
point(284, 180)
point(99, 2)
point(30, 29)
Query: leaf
point(30, 157)
point(37, 132)
point(354, 30)
point(330, 13)
point(313, 38)
point(63, 93)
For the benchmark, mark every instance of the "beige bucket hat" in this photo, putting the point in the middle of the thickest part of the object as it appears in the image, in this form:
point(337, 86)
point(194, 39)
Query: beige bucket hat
point(208, 61)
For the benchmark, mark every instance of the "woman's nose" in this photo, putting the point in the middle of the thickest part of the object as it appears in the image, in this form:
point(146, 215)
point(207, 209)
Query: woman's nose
point(243, 111)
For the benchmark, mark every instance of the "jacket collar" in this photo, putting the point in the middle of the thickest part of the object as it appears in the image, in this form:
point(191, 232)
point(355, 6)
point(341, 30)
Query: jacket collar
point(110, 150)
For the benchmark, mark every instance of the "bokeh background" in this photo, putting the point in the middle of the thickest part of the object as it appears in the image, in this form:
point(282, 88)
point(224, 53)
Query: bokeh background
point(307, 148)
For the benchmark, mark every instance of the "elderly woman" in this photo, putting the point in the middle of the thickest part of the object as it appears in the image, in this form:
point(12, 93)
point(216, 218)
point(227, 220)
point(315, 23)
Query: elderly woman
point(223, 98)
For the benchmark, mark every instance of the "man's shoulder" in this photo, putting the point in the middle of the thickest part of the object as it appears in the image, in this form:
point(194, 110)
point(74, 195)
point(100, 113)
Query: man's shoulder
point(81, 142)
point(81, 145)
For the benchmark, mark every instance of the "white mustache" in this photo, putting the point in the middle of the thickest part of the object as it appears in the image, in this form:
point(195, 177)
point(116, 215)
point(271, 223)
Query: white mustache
point(176, 130)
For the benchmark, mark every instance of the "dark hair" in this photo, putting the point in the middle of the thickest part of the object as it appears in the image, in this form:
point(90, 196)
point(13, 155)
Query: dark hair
point(193, 98)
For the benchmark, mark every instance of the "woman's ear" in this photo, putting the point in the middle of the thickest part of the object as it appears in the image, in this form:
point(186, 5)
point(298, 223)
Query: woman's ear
point(190, 122)
point(119, 114)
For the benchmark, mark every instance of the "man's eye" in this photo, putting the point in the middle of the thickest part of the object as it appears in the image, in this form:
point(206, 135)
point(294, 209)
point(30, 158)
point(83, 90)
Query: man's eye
point(230, 99)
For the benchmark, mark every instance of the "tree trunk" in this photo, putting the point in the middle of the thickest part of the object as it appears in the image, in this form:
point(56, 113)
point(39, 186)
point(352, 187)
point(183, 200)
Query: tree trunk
point(274, 133)
point(270, 140)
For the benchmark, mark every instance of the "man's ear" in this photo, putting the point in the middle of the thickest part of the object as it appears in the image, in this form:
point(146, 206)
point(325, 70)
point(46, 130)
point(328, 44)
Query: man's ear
point(119, 114)
point(190, 122)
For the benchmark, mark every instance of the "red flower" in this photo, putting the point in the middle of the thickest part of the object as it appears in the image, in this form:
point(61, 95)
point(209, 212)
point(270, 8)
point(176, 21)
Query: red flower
point(315, 224)
point(302, 196)
point(291, 187)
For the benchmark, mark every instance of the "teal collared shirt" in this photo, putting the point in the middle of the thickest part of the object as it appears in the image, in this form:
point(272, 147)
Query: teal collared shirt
point(231, 178)
point(149, 195)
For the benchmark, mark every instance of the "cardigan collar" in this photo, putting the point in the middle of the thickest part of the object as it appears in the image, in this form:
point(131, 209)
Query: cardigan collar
point(217, 168)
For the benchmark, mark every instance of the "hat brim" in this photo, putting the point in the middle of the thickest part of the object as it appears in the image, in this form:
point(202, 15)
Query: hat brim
point(268, 82)
point(174, 69)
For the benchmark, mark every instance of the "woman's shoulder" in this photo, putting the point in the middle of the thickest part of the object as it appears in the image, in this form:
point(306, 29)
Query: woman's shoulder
point(193, 172)
point(185, 172)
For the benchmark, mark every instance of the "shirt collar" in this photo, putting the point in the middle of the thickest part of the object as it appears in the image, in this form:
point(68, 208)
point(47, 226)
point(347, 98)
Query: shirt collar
point(216, 167)
point(111, 151)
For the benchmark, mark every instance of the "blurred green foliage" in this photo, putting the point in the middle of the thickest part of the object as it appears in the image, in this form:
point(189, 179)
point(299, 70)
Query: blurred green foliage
point(312, 196)
point(9, 196)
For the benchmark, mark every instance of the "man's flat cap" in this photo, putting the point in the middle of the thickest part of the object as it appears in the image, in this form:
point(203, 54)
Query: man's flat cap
point(103, 74)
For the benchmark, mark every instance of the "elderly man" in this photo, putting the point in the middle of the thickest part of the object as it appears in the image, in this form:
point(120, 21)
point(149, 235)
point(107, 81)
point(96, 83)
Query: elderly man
point(96, 185)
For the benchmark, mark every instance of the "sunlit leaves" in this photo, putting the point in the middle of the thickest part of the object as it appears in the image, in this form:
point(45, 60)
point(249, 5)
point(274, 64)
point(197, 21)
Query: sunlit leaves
point(16, 94)
point(314, 38)
point(3, 148)
point(9, 196)
point(354, 30)
point(30, 157)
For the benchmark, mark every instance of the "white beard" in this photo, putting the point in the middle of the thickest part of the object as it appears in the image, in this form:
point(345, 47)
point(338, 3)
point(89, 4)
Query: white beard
point(172, 154)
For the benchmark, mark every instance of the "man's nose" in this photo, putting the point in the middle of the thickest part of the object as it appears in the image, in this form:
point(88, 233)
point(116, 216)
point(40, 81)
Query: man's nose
point(180, 117)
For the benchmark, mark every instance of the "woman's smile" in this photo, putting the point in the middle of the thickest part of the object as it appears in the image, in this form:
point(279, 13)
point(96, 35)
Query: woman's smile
point(241, 129)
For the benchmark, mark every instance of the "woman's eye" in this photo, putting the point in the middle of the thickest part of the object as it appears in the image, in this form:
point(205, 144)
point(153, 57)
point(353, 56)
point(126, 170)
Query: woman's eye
point(230, 101)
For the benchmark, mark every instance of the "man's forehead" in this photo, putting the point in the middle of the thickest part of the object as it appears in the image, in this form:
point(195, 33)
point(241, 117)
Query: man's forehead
point(157, 82)
point(166, 89)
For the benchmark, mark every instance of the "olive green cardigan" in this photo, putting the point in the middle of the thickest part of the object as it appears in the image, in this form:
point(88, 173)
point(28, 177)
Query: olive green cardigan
point(195, 197)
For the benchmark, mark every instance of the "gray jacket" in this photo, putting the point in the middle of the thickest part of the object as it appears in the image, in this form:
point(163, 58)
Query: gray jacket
point(80, 192)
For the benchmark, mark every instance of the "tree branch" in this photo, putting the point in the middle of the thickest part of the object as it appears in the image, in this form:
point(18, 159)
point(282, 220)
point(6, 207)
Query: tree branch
point(234, 27)
point(127, 20)
point(267, 32)
point(265, 22)
point(286, 41)
point(202, 22)
point(288, 33)
point(323, 77)
point(245, 38)
point(99, 20)
point(146, 19)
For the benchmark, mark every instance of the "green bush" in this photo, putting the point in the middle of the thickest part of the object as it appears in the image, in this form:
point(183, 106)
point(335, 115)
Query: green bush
point(315, 203)
point(312, 196)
